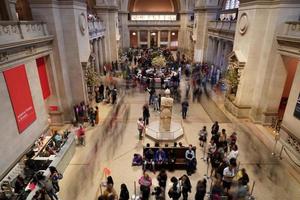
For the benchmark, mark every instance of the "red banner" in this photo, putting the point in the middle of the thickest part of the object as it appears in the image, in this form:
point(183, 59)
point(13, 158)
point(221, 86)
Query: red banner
point(20, 96)
point(40, 62)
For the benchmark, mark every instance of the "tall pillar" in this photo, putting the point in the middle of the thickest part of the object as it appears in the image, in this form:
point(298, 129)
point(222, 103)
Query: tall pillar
point(209, 50)
point(95, 49)
point(215, 50)
point(104, 51)
point(148, 40)
point(218, 53)
point(138, 39)
point(158, 39)
point(100, 55)
point(169, 39)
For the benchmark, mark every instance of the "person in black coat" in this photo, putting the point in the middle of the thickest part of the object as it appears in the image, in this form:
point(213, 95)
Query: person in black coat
point(162, 178)
point(215, 128)
point(124, 194)
point(146, 114)
point(186, 186)
point(200, 190)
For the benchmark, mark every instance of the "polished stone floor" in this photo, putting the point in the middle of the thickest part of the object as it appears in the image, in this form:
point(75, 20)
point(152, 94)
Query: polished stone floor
point(274, 179)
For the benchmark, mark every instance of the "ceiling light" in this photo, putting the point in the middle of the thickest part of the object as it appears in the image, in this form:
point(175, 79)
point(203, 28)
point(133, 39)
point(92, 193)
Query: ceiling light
point(173, 33)
point(153, 33)
point(133, 33)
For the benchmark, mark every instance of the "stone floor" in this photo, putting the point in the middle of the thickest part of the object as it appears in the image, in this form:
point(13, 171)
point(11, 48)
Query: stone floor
point(274, 179)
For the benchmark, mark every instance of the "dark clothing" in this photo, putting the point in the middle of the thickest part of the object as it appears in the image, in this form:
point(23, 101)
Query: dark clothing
point(146, 115)
point(244, 179)
point(162, 179)
point(200, 193)
point(186, 188)
point(214, 129)
point(124, 195)
point(184, 106)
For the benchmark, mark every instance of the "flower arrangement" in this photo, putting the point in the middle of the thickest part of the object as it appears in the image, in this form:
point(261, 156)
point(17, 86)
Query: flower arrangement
point(159, 61)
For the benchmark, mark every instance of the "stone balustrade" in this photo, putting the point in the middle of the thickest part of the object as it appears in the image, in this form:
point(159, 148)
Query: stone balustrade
point(228, 26)
point(292, 29)
point(18, 31)
point(154, 23)
point(96, 29)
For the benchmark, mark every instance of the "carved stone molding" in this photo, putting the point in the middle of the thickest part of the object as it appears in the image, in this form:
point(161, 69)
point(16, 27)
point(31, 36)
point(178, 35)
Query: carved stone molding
point(3, 57)
point(82, 23)
point(243, 23)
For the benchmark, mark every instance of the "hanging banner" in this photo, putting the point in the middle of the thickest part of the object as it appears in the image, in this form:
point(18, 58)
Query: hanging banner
point(40, 62)
point(297, 109)
point(20, 96)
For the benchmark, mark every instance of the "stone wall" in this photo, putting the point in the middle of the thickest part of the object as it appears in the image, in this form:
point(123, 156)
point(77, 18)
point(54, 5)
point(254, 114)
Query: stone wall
point(13, 144)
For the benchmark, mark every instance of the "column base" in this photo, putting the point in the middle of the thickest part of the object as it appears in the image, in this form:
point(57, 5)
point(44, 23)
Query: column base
point(238, 111)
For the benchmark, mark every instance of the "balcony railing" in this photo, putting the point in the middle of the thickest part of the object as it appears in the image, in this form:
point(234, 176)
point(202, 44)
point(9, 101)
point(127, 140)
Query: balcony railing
point(96, 28)
point(154, 23)
point(18, 31)
point(292, 29)
point(228, 26)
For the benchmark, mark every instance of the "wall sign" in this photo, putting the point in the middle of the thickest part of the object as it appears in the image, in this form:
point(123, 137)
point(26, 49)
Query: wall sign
point(20, 96)
point(40, 62)
point(297, 109)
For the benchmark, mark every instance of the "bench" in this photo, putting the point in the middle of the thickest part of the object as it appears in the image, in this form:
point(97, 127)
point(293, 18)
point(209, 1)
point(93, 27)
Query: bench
point(178, 154)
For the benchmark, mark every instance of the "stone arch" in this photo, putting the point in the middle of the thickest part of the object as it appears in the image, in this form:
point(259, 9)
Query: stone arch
point(143, 6)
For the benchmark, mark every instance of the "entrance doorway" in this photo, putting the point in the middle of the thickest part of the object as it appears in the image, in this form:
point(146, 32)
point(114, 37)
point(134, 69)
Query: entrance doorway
point(290, 64)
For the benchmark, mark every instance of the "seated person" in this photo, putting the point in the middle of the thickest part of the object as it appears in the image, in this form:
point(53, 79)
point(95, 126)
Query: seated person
point(191, 160)
point(148, 158)
point(137, 160)
point(160, 157)
point(171, 159)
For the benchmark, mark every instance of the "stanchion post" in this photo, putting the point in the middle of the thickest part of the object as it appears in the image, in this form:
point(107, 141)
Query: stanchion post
point(280, 154)
point(134, 189)
point(277, 137)
point(252, 188)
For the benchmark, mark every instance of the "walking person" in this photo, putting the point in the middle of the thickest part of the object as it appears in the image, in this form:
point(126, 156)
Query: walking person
point(200, 190)
point(124, 194)
point(47, 185)
point(186, 186)
point(81, 135)
point(162, 179)
point(141, 127)
point(215, 128)
point(55, 177)
point(146, 114)
point(203, 136)
point(184, 108)
point(175, 191)
point(145, 186)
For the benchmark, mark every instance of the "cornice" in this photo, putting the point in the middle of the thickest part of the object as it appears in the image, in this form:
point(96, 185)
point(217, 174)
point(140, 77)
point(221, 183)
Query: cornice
point(267, 2)
point(23, 43)
point(59, 2)
point(208, 9)
point(105, 8)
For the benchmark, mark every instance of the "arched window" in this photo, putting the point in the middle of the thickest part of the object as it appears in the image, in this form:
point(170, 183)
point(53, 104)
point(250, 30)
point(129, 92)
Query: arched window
point(231, 4)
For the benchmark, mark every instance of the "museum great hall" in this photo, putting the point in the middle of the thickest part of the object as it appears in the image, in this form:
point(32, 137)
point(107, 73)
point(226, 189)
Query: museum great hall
point(92, 66)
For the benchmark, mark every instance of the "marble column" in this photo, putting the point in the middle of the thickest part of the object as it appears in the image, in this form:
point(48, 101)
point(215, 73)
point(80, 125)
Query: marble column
point(169, 39)
point(215, 50)
point(100, 55)
point(148, 40)
point(104, 51)
point(210, 51)
point(158, 38)
point(218, 53)
point(138, 39)
point(95, 49)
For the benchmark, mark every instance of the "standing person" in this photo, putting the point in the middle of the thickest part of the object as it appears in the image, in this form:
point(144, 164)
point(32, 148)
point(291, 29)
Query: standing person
point(162, 179)
point(233, 153)
point(109, 180)
point(175, 191)
point(47, 185)
point(190, 159)
point(200, 190)
point(19, 184)
point(141, 127)
point(203, 136)
point(81, 135)
point(145, 186)
point(155, 102)
point(186, 186)
point(124, 194)
point(228, 175)
point(184, 106)
point(223, 140)
point(55, 177)
point(114, 95)
point(215, 128)
point(101, 91)
point(146, 114)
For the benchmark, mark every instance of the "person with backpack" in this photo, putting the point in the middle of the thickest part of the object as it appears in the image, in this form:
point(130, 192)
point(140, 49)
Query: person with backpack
point(175, 191)
point(55, 176)
point(186, 186)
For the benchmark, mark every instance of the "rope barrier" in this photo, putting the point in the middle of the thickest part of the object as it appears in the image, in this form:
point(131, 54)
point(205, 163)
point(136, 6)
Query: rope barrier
point(298, 165)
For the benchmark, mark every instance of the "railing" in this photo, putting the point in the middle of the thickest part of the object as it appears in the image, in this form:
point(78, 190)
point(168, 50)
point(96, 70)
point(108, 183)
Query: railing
point(222, 26)
point(154, 23)
point(16, 31)
point(292, 29)
point(96, 28)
